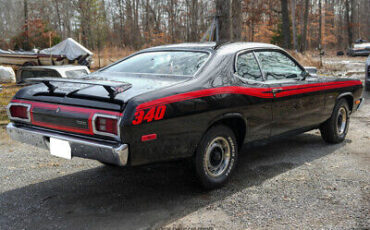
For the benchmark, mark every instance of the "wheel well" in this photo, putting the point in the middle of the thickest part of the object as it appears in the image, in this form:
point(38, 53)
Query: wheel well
point(237, 125)
point(349, 100)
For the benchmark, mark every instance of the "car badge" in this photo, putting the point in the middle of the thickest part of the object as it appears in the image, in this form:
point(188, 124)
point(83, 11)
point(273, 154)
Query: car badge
point(58, 110)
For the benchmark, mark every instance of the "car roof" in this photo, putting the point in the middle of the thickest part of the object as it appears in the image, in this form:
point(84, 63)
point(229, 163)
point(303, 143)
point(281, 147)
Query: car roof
point(57, 67)
point(207, 46)
point(186, 46)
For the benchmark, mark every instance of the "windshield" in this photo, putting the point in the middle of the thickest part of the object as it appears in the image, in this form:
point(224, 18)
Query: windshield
point(183, 63)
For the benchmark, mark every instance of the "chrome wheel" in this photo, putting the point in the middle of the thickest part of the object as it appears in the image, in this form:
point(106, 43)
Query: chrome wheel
point(217, 157)
point(341, 121)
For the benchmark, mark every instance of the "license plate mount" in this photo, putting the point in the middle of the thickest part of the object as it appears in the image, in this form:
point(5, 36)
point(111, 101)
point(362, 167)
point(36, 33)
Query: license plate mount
point(60, 148)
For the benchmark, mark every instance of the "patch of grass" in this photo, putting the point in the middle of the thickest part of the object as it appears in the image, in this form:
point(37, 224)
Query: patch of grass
point(5, 96)
point(306, 59)
point(109, 55)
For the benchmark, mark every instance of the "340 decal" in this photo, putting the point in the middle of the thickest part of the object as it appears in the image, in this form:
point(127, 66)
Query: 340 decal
point(153, 114)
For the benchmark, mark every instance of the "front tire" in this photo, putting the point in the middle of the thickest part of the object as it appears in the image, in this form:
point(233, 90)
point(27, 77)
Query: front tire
point(216, 157)
point(335, 129)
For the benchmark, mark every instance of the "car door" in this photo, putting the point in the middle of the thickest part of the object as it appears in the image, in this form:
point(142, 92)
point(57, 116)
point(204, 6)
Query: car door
point(294, 107)
point(256, 110)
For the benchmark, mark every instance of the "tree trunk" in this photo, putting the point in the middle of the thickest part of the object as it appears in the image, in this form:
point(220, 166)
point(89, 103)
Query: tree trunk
point(59, 18)
point(193, 21)
point(147, 19)
point(294, 25)
point(121, 22)
point(237, 19)
point(304, 28)
point(320, 25)
point(25, 43)
point(223, 13)
point(349, 28)
point(286, 24)
point(353, 19)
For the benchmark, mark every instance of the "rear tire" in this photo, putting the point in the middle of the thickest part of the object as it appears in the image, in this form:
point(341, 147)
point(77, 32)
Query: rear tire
point(335, 129)
point(216, 157)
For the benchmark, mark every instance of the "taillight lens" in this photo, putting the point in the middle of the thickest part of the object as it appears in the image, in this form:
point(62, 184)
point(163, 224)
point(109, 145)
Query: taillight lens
point(19, 112)
point(106, 125)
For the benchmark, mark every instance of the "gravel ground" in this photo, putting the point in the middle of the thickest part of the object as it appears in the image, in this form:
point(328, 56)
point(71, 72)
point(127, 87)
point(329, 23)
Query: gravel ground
point(294, 183)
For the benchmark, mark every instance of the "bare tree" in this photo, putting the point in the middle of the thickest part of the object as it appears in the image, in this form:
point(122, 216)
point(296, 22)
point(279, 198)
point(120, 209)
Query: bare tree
point(25, 45)
point(304, 28)
point(320, 25)
point(349, 26)
point(223, 13)
point(137, 23)
point(293, 6)
point(237, 19)
point(286, 24)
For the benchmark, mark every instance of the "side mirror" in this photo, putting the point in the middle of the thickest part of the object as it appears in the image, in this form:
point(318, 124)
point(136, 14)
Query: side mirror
point(305, 74)
point(311, 69)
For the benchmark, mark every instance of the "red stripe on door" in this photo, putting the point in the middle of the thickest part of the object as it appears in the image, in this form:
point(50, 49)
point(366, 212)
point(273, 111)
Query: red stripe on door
point(256, 92)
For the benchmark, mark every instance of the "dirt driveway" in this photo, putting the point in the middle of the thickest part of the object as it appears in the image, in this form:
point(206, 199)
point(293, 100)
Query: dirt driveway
point(295, 183)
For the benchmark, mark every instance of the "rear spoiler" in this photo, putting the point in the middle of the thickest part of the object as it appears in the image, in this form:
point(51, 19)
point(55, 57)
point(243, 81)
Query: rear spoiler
point(113, 88)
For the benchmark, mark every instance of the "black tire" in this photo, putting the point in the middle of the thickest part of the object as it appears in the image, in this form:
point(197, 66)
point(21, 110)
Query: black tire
point(335, 129)
point(216, 157)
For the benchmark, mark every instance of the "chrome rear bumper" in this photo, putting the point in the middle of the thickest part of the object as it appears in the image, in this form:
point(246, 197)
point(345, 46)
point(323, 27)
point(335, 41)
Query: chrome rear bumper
point(112, 154)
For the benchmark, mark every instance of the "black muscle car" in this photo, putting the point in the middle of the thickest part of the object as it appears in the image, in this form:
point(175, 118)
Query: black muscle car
point(200, 101)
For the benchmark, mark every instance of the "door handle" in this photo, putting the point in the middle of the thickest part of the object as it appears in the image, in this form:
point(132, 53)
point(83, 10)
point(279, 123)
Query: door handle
point(276, 90)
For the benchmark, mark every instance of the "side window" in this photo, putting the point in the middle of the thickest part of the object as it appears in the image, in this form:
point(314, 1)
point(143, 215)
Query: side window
point(247, 67)
point(278, 66)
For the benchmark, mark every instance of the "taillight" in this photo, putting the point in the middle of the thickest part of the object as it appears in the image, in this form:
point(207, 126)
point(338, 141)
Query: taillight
point(19, 112)
point(105, 125)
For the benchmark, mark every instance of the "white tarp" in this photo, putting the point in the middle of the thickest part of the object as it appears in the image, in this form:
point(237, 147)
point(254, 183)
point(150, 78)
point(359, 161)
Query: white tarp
point(4, 52)
point(7, 75)
point(362, 45)
point(69, 48)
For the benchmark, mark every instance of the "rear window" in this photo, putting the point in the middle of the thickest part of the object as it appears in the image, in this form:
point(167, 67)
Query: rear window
point(184, 63)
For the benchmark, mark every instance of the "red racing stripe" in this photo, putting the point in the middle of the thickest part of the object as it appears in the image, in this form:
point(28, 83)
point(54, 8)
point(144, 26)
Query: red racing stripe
point(256, 92)
point(289, 91)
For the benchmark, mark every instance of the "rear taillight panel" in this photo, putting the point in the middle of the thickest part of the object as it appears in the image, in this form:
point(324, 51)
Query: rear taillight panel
point(19, 112)
point(66, 118)
point(105, 125)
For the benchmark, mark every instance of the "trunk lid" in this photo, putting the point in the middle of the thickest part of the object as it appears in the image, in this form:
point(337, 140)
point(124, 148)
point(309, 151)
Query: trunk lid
point(96, 96)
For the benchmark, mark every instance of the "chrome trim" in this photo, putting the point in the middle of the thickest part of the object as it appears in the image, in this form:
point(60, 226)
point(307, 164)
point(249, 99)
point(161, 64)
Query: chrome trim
point(17, 118)
point(95, 131)
point(116, 154)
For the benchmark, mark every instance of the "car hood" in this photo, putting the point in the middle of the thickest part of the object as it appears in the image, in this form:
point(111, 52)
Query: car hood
point(96, 96)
